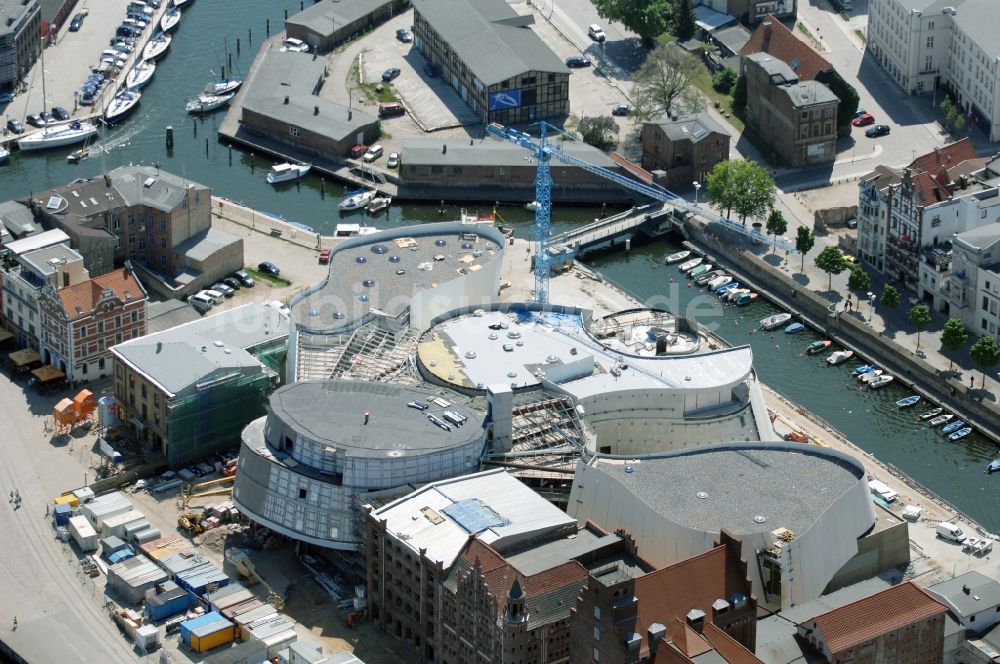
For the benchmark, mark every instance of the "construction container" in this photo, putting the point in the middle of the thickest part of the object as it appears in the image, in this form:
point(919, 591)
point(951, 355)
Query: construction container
point(232, 612)
point(147, 535)
point(82, 533)
point(132, 578)
point(84, 494)
point(207, 632)
point(133, 527)
point(121, 555)
point(243, 621)
point(199, 579)
point(169, 603)
point(104, 507)
point(147, 638)
point(222, 599)
point(112, 544)
point(182, 561)
point(83, 402)
point(64, 413)
point(62, 513)
point(164, 547)
point(276, 641)
point(245, 653)
point(115, 525)
point(67, 499)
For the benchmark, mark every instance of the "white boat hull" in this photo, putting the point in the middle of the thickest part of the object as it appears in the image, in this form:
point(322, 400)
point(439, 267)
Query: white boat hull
point(224, 87)
point(677, 258)
point(357, 201)
point(121, 106)
point(57, 136)
point(207, 104)
point(155, 48)
point(170, 21)
point(292, 172)
point(775, 321)
point(379, 204)
point(4, 154)
point(140, 75)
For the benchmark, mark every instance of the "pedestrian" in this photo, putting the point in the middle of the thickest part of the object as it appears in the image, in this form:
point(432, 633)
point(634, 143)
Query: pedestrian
point(972, 380)
point(15, 623)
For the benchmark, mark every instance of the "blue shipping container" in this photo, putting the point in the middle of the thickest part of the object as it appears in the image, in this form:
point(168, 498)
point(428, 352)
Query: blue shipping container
point(169, 603)
point(62, 514)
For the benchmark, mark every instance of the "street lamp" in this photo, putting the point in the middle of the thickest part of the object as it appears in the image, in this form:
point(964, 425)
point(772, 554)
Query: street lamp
point(871, 307)
point(697, 187)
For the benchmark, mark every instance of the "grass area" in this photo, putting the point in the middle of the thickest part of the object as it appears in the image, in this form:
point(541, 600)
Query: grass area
point(270, 278)
point(860, 34)
point(375, 92)
point(723, 102)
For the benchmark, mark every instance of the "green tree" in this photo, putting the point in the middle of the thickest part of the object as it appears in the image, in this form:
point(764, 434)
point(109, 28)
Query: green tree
point(831, 261)
point(946, 106)
point(740, 94)
point(859, 279)
point(890, 297)
point(953, 337)
point(723, 80)
point(920, 316)
point(959, 123)
point(665, 84)
point(776, 224)
point(684, 21)
point(721, 186)
point(804, 241)
point(647, 18)
point(601, 132)
point(985, 355)
point(847, 95)
point(741, 186)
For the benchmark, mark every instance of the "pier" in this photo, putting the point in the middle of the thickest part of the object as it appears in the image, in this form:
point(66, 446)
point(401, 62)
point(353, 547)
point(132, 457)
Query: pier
point(653, 220)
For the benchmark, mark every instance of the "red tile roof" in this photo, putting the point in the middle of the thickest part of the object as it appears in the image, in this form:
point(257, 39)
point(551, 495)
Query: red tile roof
point(875, 615)
point(928, 191)
point(79, 300)
point(949, 155)
point(731, 650)
point(773, 38)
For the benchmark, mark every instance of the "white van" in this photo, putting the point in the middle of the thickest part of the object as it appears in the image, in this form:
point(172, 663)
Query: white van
point(201, 301)
point(596, 33)
point(217, 296)
point(950, 531)
point(882, 490)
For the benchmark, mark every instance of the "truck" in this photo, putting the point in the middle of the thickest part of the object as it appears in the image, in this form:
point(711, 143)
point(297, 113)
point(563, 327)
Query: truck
point(950, 531)
point(882, 490)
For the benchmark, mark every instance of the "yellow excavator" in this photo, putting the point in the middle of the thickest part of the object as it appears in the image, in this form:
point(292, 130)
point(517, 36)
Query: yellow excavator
point(240, 559)
point(191, 523)
point(203, 489)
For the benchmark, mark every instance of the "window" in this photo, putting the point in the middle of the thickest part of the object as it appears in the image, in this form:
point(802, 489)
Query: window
point(597, 655)
point(163, 224)
point(302, 493)
point(597, 613)
point(135, 334)
point(135, 316)
point(118, 337)
point(118, 321)
point(100, 364)
point(920, 86)
point(294, 131)
point(930, 42)
point(100, 326)
point(929, 63)
point(930, 25)
point(982, 214)
point(597, 633)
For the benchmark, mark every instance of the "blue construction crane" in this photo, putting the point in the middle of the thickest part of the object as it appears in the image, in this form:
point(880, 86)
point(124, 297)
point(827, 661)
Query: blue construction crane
point(543, 151)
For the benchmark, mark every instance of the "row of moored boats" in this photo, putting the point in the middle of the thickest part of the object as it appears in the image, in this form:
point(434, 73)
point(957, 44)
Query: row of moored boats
point(712, 278)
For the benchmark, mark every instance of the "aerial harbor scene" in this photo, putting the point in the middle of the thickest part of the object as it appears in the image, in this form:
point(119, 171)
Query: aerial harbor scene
point(513, 331)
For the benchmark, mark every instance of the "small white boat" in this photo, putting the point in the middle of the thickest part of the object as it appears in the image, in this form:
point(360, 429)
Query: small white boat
point(180, 4)
point(170, 20)
point(123, 104)
point(701, 268)
point(139, 75)
point(690, 264)
point(881, 381)
point(353, 230)
point(358, 200)
point(941, 419)
point(870, 376)
point(731, 295)
point(4, 154)
point(379, 204)
point(207, 103)
point(533, 206)
point(156, 47)
point(719, 282)
point(287, 172)
point(678, 257)
point(76, 156)
point(57, 136)
point(839, 357)
point(223, 86)
point(775, 321)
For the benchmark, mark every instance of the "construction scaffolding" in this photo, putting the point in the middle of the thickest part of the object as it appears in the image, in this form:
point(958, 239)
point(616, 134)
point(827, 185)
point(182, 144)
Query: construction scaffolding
point(371, 352)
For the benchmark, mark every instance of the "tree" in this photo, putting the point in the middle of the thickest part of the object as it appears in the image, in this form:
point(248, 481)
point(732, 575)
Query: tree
point(743, 186)
point(647, 18)
point(890, 297)
point(776, 224)
point(601, 132)
point(740, 94)
point(953, 337)
point(724, 80)
point(920, 316)
point(804, 241)
point(959, 123)
point(831, 261)
point(847, 95)
point(859, 279)
point(665, 84)
point(946, 106)
point(684, 21)
point(985, 355)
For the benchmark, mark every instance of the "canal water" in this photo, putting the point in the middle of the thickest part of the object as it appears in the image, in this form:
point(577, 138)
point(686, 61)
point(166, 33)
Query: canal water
point(870, 419)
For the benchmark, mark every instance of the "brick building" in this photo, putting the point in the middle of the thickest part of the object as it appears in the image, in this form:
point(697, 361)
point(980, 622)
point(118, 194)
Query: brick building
point(773, 38)
point(900, 625)
point(80, 323)
point(686, 148)
point(20, 40)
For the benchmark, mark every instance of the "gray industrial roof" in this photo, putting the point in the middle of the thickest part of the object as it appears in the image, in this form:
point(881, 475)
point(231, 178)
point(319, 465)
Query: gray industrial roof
point(13, 12)
point(984, 593)
point(17, 218)
point(734, 37)
point(151, 187)
point(691, 127)
point(48, 260)
point(492, 152)
point(541, 557)
point(807, 93)
point(204, 245)
point(327, 16)
point(376, 260)
point(490, 38)
point(332, 412)
point(790, 486)
point(182, 356)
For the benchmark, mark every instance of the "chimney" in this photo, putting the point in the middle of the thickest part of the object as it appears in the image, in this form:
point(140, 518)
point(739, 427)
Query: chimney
point(315, 110)
point(367, 415)
point(286, 100)
point(937, 155)
point(719, 607)
point(159, 346)
point(696, 619)
point(966, 589)
point(444, 149)
point(766, 42)
point(655, 633)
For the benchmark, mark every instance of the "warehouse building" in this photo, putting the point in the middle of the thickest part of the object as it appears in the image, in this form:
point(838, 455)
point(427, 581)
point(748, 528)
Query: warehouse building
point(490, 55)
point(328, 23)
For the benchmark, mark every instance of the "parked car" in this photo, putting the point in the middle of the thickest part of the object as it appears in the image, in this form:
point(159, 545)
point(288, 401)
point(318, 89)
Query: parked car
point(47, 118)
point(223, 288)
point(404, 35)
point(76, 23)
point(217, 297)
point(877, 130)
point(201, 301)
point(244, 278)
point(267, 267)
point(391, 73)
point(233, 283)
point(294, 45)
point(324, 256)
point(596, 33)
point(374, 152)
point(14, 126)
point(621, 110)
point(6, 97)
point(393, 160)
point(577, 61)
point(863, 119)
point(860, 111)
point(60, 113)
point(389, 109)
point(35, 120)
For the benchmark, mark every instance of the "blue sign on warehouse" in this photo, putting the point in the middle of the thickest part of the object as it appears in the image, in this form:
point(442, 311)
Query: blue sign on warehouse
point(505, 99)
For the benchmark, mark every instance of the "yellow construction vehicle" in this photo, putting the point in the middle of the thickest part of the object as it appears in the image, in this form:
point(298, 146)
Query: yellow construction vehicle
point(241, 560)
point(189, 491)
point(191, 523)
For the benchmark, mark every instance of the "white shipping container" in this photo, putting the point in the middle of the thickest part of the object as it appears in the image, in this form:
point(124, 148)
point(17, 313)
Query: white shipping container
point(105, 507)
point(83, 533)
point(115, 524)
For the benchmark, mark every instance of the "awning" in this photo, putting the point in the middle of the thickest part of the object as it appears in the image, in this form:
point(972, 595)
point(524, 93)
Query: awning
point(24, 357)
point(5, 335)
point(47, 373)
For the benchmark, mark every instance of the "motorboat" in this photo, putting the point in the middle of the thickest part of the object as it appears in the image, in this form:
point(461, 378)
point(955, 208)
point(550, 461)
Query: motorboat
point(839, 357)
point(4, 154)
point(865, 368)
point(731, 295)
point(208, 103)
point(706, 277)
point(170, 20)
point(728, 287)
point(960, 434)
point(719, 282)
point(881, 381)
point(379, 204)
point(953, 426)
point(122, 104)
point(534, 206)
point(775, 321)
point(357, 200)
point(941, 419)
point(818, 346)
point(156, 46)
point(684, 267)
point(286, 172)
point(932, 413)
point(140, 75)
point(745, 298)
point(870, 376)
point(794, 327)
point(699, 269)
point(57, 136)
point(76, 156)
point(908, 401)
point(353, 230)
point(993, 466)
point(677, 257)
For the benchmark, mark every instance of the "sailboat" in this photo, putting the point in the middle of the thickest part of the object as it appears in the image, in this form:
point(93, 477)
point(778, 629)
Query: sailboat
point(123, 104)
point(207, 103)
point(170, 20)
point(156, 47)
point(222, 85)
point(56, 135)
point(140, 74)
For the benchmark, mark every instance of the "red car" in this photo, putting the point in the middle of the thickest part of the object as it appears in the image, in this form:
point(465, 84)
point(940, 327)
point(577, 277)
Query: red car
point(863, 119)
point(324, 256)
point(358, 150)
